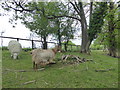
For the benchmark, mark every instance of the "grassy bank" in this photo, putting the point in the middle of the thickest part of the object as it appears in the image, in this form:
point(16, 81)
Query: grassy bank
point(60, 75)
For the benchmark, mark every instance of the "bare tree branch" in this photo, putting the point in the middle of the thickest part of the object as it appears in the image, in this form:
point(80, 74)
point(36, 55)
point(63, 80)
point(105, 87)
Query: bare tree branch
point(12, 7)
point(16, 9)
point(87, 11)
point(76, 9)
point(86, 5)
point(22, 8)
point(76, 5)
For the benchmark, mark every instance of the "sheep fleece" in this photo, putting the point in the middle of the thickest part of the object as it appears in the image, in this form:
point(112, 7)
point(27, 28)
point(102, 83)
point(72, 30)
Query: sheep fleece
point(14, 47)
point(39, 56)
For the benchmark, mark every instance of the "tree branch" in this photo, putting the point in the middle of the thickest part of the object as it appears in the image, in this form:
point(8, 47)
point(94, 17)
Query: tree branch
point(53, 17)
point(16, 9)
point(12, 7)
point(76, 8)
point(87, 11)
point(19, 4)
point(77, 5)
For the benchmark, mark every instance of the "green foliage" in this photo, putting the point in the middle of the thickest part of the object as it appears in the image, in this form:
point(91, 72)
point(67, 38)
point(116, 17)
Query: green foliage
point(67, 30)
point(26, 49)
point(111, 16)
point(118, 29)
point(60, 75)
point(106, 37)
point(39, 23)
point(96, 47)
point(96, 21)
point(69, 42)
point(64, 30)
point(4, 48)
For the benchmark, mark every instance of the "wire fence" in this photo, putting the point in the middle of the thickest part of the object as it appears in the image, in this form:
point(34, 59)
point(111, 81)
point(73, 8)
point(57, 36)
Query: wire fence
point(39, 43)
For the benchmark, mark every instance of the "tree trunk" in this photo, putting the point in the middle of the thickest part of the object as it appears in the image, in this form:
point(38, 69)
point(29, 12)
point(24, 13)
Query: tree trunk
point(112, 45)
point(84, 41)
point(44, 42)
point(111, 36)
point(66, 45)
point(118, 44)
point(59, 38)
point(88, 46)
point(59, 35)
point(84, 30)
point(89, 41)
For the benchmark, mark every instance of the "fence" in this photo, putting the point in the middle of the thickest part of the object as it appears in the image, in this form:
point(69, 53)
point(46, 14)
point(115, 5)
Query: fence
point(69, 46)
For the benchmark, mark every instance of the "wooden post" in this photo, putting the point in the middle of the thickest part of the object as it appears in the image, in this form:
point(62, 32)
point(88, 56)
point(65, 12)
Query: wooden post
point(77, 47)
point(32, 44)
point(71, 47)
point(61, 47)
point(18, 39)
point(55, 44)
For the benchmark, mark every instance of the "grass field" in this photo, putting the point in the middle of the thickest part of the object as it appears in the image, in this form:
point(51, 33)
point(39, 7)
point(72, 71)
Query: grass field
point(60, 75)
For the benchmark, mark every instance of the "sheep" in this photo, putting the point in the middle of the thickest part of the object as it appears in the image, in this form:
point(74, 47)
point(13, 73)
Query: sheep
point(43, 57)
point(14, 48)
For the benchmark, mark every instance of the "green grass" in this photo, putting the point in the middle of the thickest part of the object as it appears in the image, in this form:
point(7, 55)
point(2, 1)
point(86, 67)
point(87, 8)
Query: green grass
point(73, 48)
point(60, 75)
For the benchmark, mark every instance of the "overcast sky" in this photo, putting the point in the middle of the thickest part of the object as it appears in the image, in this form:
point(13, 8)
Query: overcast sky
point(20, 31)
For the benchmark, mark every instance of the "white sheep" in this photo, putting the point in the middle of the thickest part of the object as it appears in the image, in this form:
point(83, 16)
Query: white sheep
point(14, 48)
point(43, 57)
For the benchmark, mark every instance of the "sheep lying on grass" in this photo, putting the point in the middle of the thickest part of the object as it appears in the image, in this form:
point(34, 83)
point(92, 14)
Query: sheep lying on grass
point(43, 57)
point(15, 48)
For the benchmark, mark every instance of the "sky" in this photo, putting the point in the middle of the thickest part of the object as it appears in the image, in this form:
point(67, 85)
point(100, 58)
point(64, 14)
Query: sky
point(20, 31)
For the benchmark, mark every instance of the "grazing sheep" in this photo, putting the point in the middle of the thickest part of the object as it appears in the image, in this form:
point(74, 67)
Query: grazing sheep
point(43, 57)
point(15, 48)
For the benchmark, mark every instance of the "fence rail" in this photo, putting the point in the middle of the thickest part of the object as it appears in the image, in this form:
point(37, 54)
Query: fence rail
point(32, 41)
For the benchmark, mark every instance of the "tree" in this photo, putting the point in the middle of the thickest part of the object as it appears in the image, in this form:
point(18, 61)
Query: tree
point(22, 6)
point(118, 27)
point(76, 12)
point(113, 30)
point(64, 31)
point(58, 32)
point(66, 44)
point(67, 32)
point(35, 16)
point(88, 35)
point(38, 22)
point(96, 21)
point(109, 34)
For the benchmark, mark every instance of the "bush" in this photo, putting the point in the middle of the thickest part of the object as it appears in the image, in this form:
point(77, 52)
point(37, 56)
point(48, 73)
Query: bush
point(27, 49)
point(4, 48)
point(97, 47)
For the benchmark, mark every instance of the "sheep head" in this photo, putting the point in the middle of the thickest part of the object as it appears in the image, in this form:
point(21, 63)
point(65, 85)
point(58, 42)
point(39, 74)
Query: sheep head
point(56, 49)
point(15, 55)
